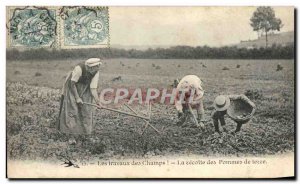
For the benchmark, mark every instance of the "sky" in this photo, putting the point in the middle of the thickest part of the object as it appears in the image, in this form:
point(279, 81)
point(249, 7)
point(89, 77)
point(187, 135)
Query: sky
point(193, 26)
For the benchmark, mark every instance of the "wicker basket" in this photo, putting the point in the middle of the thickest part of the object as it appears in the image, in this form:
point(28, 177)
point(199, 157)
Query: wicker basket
point(240, 111)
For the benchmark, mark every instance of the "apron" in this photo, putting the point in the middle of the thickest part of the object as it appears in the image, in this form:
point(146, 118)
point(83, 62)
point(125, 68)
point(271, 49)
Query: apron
point(76, 118)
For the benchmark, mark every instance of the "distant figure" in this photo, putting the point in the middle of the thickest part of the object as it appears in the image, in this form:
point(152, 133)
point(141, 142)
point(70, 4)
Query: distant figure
point(203, 65)
point(37, 74)
point(279, 67)
point(117, 78)
point(17, 72)
point(175, 83)
point(189, 84)
point(238, 66)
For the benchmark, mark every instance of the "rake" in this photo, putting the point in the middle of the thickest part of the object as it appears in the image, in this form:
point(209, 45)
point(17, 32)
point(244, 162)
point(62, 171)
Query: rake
point(145, 119)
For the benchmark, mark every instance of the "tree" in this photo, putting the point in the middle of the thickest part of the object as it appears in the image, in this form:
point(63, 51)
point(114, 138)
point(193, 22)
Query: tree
point(263, 19)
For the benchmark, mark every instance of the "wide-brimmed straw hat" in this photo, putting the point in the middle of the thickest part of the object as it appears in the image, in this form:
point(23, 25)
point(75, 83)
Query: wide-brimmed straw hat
point(221, 103)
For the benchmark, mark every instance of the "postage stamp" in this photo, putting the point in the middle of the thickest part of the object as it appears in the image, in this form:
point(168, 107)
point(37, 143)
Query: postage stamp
point(32, 27)
point(84, 27)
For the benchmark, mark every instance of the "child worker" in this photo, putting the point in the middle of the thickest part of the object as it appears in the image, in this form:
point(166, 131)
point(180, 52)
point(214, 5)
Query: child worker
point(221, 104)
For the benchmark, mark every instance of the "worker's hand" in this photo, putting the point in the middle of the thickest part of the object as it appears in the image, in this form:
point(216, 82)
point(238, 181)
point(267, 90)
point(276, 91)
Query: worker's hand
point(79, 101)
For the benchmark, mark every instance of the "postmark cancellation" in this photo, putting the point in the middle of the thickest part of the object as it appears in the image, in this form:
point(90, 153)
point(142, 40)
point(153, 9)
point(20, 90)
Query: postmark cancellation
point(32, 27)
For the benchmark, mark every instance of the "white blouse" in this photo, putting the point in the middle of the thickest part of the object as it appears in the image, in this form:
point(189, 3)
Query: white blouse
point(77, 72)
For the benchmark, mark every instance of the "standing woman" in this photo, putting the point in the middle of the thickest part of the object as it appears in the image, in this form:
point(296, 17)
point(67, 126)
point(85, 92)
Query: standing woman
point(80, 86)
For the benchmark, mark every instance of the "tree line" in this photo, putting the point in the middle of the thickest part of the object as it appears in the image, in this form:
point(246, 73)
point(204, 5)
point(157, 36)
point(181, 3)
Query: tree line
point(177, 52)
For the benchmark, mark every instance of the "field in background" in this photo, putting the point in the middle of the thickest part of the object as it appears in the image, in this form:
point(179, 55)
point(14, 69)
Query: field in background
point(284, 38)
point(32, 109)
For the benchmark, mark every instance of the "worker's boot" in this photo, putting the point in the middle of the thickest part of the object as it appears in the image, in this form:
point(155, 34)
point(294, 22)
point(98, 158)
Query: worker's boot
point(238, 127)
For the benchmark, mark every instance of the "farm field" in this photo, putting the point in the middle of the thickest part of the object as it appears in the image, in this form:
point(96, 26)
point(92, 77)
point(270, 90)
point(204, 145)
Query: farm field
point(33, 92)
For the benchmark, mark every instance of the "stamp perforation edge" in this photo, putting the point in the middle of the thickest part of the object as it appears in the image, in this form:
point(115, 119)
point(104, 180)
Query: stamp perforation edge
point(10, 9)
point(59, 37)
point(102, 45)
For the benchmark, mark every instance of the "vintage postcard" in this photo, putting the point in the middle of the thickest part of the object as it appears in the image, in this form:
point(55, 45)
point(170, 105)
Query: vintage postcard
point(150, 92)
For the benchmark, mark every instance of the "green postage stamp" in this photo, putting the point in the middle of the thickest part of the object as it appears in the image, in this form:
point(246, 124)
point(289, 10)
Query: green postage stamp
point(53, 27)
point(32, 27)
point(84, 27)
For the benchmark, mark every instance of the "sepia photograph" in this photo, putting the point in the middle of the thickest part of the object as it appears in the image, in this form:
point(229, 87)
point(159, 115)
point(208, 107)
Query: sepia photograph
point(150, 92)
